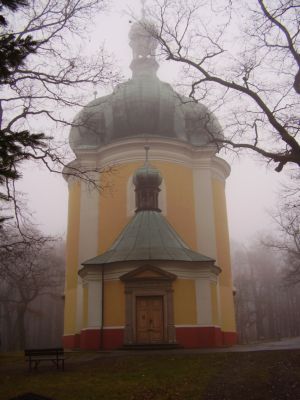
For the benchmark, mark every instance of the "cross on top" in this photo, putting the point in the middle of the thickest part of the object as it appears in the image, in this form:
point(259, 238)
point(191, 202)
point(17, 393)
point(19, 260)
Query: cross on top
point(143, 2)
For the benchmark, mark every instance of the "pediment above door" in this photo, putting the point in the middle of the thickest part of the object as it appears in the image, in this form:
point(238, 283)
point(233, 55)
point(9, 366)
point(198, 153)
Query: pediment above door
point(148, 272)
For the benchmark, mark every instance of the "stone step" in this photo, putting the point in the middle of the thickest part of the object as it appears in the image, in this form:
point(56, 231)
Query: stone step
point(152, 346)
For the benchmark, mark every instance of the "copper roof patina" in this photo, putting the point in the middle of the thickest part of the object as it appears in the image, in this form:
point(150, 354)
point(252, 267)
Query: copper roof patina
point(148, 236)
point(143, 106)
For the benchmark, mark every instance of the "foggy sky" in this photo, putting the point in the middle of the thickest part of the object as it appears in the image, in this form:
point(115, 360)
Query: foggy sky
point(252, 188)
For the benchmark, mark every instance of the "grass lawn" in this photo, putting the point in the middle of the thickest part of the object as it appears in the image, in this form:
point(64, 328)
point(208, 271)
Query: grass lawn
point(268, 375)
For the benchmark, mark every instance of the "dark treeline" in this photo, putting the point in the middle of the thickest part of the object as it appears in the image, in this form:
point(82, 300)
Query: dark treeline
point(267, 302)
point(43, 323)
point(31, 295)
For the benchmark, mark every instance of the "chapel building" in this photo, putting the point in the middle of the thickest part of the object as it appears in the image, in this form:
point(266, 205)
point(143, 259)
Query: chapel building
point(148, 259)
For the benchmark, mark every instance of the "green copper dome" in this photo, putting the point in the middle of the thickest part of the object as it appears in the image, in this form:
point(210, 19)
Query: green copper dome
point(143, 106)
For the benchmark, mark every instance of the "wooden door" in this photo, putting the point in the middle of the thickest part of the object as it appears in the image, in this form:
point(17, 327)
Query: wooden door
point(149, 319)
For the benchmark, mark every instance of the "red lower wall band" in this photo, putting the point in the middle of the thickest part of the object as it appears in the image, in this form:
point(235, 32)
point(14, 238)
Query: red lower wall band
point(230, 338)
point(188, 337)
point(199, 337)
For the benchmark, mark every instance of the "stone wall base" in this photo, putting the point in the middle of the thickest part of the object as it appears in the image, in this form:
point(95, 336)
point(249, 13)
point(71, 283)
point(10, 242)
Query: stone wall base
point(187, 337)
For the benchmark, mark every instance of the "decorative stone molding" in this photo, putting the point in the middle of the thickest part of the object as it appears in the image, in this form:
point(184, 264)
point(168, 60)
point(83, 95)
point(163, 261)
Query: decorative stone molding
point(181, 269)
point(91, 279)
point(148, 280)
point(162, 149)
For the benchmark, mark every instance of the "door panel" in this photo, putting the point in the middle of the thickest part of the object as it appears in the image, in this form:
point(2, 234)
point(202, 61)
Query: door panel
point(142, 317)
point(149, 319)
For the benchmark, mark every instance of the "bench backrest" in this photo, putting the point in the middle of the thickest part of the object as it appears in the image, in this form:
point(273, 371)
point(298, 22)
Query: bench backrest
point(44, 352)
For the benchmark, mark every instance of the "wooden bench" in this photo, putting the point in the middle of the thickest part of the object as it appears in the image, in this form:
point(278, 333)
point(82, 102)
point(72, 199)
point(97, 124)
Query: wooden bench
point(35, 356)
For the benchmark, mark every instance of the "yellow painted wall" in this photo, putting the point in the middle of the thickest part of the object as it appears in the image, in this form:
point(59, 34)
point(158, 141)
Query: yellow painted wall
point(112, 213)
point(181, 215)
point(70, 312)
point(185, 312)
point(222, 235)
point(180, 202)
point(73, 235)
point(227, 309)
point(114, 303)
point(72, 247)
point(223, 252)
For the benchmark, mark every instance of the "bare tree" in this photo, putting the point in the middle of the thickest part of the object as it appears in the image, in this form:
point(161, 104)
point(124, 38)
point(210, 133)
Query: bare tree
point(243, 59)
point(28, 271)
point(266, 308)
point(44, 77)
point(288, 244)
point(285, 239)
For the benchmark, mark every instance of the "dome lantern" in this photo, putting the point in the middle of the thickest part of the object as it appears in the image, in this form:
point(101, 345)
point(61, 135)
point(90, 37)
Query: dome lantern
point(147, 180)
point(143, 46)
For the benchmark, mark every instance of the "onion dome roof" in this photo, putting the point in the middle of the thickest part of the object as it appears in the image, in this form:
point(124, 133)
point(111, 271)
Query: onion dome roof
point(148, 236)
point(147, 175)
point(143, 106)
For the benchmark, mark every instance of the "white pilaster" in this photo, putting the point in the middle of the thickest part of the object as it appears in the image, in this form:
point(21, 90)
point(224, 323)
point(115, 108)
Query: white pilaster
point(94, 302)
point(88, 237)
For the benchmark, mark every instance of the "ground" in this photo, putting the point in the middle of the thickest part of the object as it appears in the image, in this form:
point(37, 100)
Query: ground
point(239, 373)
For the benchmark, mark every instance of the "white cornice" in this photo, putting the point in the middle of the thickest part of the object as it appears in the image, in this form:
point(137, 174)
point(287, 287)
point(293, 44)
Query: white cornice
point(162, 149)
point(183, 270)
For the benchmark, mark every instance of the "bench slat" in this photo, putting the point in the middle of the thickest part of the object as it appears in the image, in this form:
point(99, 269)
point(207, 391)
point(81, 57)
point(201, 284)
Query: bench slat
point(44, 351)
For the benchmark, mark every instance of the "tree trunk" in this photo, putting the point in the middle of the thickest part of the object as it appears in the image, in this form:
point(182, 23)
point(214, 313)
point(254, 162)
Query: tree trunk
point(20, 323)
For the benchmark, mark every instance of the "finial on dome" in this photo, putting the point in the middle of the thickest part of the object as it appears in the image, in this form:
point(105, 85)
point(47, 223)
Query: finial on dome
point(143, 2)
point(147, 148)
point(143, 44)
point(95, 91)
